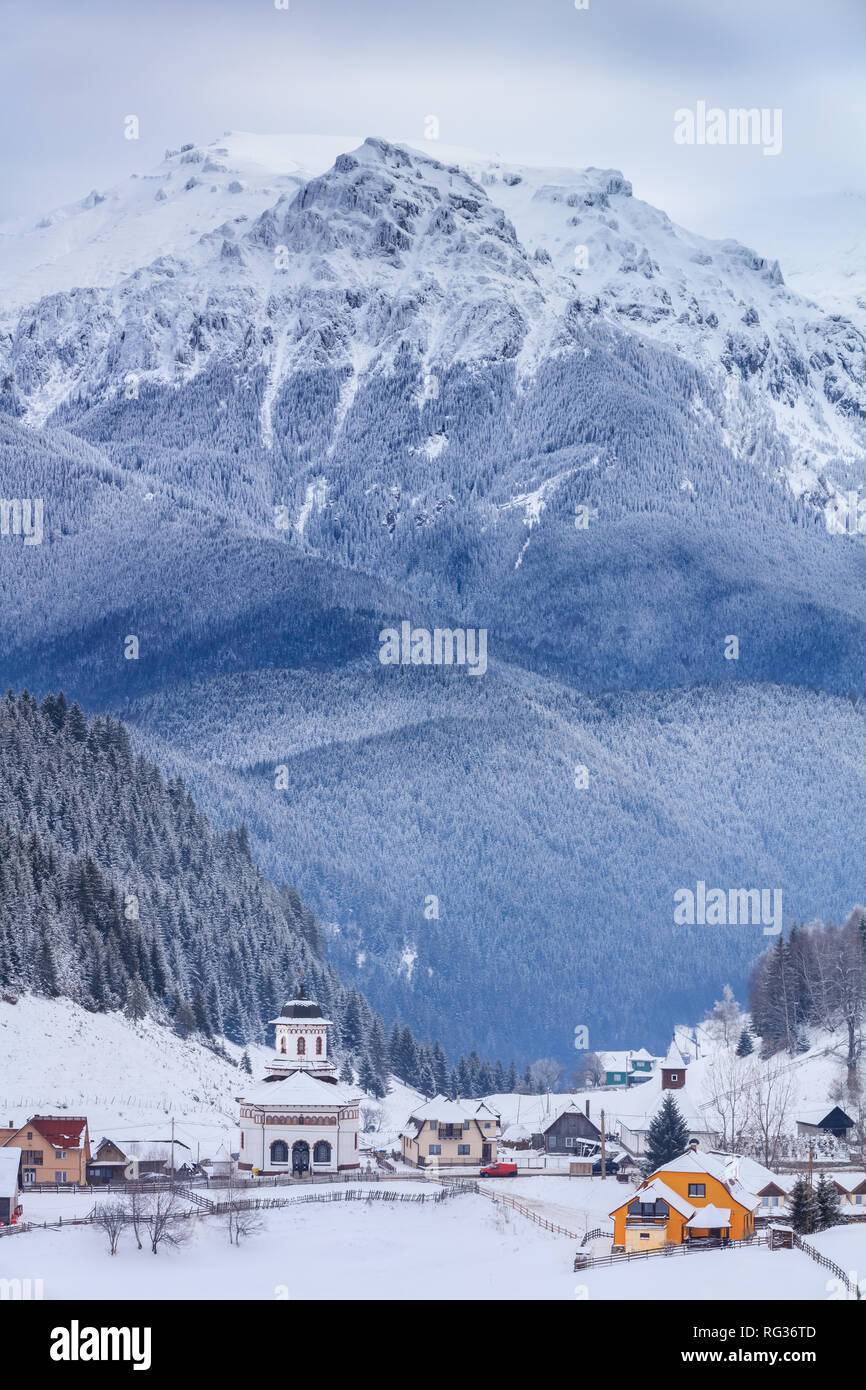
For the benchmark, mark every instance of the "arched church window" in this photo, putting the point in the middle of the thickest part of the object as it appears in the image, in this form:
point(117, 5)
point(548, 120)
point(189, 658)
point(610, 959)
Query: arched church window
point(283, 1043)
point(322, 1152)
point(302, 1046)
point(318, 1047)
point(279, 1151)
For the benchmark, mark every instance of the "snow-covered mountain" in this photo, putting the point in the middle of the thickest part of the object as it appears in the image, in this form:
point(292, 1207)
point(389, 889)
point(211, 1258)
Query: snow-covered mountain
point(246, 253)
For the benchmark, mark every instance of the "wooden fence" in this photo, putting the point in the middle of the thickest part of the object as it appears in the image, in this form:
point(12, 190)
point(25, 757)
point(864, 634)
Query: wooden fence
point(582, 1261)
point(851, 1285)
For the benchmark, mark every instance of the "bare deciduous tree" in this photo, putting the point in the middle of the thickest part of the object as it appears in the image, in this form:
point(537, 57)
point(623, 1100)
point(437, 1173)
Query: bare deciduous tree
point(164, 1220)
point(728, 1098)
point(769, 1091)
point(111, 1217)
point(545, 1073)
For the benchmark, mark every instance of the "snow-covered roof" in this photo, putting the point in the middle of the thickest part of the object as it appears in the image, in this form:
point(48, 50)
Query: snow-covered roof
point(299, 1088)
point(570, 1108)
point(149, 1150)
point(694, 1161)
point(710, 1218)
point(9, 1161)
point(658, 1191)
point(753, 1175)
point(674, 1058)
point(452, 1111)
point(849, 1181)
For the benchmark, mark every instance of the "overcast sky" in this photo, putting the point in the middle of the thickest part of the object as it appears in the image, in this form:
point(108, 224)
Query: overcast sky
point(532, 80)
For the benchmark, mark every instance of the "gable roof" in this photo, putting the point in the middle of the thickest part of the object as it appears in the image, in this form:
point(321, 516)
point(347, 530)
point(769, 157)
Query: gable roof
point(570, 1109)
point(452, 1111)
point(836, 1119)
point(60, 1131)
point(654, 1191)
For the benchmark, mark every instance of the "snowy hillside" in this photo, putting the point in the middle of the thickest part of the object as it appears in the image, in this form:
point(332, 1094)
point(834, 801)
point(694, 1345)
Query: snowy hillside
point(129, 1079)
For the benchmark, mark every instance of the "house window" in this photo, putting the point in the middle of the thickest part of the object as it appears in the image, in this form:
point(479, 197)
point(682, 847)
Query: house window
point(675, 1076)
point(433, 1124)
point(434, 1149)
point(318, 1047)
point(644, 1235)
point(486, 1124)
point(60, 1153)
point(465, 1124)
point(463, 1148)
point(302, 1046)
point(322, 1152)
point(60, 1177)
point(242, 1138)
point(697, 1189)
point(279, 1151)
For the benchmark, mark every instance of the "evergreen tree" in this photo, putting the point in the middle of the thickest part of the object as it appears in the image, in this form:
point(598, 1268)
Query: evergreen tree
point(137, 1001)
point(367, 1078)
point(245, 1065)
point(802, 1207)
point(828, 1204)
point(46, 969)
point(668, 1136)
point(745, 1046)
point(347, 1075)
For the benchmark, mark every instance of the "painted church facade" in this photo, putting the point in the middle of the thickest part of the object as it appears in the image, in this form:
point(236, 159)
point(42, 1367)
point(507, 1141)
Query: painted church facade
point(300, 1119)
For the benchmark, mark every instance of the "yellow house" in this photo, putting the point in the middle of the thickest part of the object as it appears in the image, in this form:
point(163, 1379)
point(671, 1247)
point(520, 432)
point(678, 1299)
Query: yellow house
point(694, 1197)
point(455, 1133)
point(55, 1149)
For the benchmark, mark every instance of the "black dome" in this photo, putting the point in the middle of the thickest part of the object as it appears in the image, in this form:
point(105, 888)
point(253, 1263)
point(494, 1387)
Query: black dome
point(301, 1008)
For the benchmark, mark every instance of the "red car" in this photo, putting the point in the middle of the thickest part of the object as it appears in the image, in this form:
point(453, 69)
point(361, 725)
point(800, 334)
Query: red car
point(500, 1170)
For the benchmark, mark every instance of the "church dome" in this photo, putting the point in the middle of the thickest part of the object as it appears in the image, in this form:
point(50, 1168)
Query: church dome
point(301, 1008)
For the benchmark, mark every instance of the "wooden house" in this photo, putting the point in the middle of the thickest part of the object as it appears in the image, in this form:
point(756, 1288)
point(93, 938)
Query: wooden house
point(571, 1132)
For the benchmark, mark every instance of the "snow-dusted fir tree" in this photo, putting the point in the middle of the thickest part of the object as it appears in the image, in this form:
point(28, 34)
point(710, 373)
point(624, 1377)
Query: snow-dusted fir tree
point(668, 1135)
point(828, 1203)
point(803, 1207)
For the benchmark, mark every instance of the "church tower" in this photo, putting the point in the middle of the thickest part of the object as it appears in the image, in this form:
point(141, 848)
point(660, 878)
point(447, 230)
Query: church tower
point(301, 1043)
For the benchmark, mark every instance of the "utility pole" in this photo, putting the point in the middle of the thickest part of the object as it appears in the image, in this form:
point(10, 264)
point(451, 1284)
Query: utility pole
point(172, 1150)
point(810, 1163)
point(603, 1167)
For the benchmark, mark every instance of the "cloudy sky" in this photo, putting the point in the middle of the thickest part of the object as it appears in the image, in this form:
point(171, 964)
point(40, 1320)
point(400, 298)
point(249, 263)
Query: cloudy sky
point(532, 80)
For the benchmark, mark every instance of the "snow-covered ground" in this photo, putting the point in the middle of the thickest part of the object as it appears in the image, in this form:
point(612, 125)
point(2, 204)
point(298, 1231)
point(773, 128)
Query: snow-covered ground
point(465, 1249)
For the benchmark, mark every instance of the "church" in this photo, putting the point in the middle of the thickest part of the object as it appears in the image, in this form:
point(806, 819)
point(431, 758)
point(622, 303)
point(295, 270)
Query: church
point(300, 1119)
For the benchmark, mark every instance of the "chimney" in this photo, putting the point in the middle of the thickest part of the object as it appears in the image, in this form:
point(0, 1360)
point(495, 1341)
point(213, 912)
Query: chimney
point(693, 1146)
point(587, 1109)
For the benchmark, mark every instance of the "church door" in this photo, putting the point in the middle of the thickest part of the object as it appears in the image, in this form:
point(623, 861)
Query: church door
point(300, 1157)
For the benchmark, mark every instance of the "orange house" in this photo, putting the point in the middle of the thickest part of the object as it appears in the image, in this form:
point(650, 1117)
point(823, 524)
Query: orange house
point(694, 1197)
point(55, 1149)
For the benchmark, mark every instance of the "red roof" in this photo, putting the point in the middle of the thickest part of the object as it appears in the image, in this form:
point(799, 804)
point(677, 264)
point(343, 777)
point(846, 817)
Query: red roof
point(61, 1131)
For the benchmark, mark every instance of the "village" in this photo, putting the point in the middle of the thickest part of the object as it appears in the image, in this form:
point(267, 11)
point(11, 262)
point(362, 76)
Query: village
point(586, 1184)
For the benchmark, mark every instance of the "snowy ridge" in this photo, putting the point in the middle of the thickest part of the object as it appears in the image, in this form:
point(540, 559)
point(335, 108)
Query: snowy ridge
point(389, 251)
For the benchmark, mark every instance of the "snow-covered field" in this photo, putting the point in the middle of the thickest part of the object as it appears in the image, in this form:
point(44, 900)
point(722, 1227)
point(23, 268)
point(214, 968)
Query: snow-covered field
point(464, 1249)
